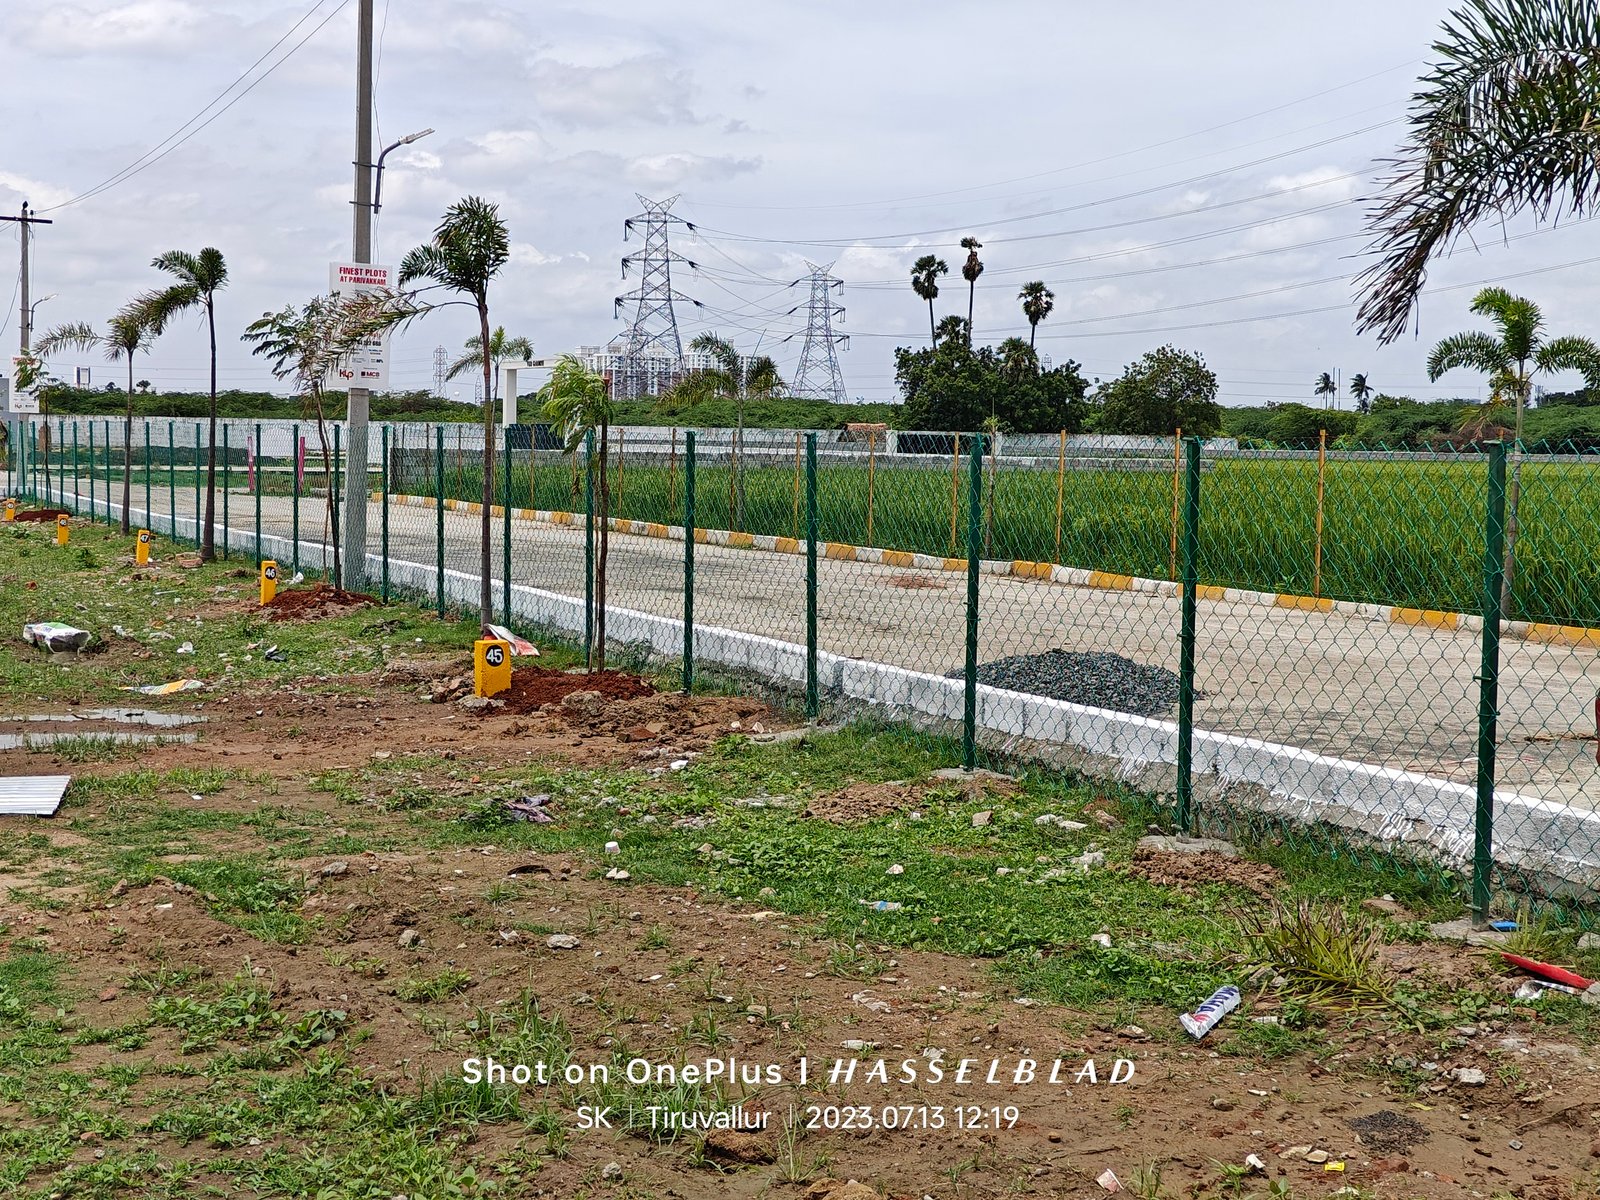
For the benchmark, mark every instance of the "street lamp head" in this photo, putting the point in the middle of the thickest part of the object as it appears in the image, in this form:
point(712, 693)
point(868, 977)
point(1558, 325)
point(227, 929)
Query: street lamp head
point(414, 137)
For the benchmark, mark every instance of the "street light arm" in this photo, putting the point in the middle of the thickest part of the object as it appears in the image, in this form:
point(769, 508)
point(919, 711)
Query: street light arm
point(377, 194)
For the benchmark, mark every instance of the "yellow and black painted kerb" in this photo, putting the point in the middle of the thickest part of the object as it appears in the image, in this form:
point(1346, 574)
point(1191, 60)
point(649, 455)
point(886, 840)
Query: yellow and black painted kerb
point(63, 530)
point(141, 548)
point(491, 666)
point(269, 580)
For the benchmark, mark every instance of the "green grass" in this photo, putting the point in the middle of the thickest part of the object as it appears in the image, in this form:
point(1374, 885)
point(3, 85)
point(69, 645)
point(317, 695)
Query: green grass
point(227, 639)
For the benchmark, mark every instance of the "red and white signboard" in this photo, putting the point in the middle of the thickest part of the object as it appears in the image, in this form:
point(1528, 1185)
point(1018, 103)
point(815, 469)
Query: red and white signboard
point(368, 367)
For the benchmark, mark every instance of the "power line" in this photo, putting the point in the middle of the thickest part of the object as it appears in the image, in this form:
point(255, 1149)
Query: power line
point(1077, 166)
point(150, 157)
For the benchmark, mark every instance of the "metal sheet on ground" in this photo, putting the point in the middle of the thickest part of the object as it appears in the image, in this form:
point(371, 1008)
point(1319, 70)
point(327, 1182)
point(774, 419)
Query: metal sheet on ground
point(32, 795)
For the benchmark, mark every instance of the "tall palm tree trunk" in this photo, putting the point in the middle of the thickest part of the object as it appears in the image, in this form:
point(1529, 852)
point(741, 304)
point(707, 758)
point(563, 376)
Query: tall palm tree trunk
point(972, 292)
point(208, 544)
point(1033, 332)
point(485, 590)
point(933, 332)
point(127, 449)
point(605, 550)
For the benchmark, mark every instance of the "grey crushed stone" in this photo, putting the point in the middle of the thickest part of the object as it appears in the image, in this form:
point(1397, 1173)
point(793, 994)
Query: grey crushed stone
point(1096, 679)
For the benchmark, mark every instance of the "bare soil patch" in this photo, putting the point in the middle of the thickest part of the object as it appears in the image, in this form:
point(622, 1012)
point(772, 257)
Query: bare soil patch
point(916, 583)
point(315, 602)
point(534, 687)
point(1189, 872)
point(864, 801)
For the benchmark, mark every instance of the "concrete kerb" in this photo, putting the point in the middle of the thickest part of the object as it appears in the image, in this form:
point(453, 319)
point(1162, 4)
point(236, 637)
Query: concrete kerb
point(1394, 808)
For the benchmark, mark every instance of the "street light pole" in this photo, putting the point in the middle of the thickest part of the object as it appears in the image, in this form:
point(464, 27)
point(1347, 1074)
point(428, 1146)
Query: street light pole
point(359, 398)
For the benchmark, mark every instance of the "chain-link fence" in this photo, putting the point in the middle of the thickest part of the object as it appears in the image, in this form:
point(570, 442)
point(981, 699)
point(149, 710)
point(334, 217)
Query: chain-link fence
point(1387, 655)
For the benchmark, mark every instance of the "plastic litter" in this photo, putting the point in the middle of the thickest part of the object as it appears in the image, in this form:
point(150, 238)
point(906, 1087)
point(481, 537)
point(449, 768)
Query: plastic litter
point(1504, 926)
point(882, 905)
point(1548, 972)
point(1108, 1180)
point(273, 654)
point(55, 636)
point(1206, 1018)
point(531, 808)
point(167, 689)
point(520, 647)
point(186, 648)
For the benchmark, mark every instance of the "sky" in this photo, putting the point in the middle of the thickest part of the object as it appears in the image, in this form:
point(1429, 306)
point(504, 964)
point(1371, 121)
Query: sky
point(1175, 173)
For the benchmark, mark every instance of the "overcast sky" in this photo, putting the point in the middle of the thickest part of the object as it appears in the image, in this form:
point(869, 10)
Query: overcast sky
point(1159, 137)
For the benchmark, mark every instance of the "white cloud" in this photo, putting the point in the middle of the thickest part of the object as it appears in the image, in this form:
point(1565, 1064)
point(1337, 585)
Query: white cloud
point(651, 88)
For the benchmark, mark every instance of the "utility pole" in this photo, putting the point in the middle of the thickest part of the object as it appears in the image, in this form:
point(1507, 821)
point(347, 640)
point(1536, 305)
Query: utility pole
point(26, 221)
point(355, 495)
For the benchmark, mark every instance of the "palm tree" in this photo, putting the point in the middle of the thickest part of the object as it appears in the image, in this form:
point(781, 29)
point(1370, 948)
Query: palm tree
point(1361, 390)
point(1326, 387)
point(501, 348)
point(1503, 123)
point(124, 336)
point(144, 386)
point(304, 346)
point(970, 270)
point(1037, 303)
point(469, 248)
point(577, 402)
point(1511, 357)
point(738, 378)
point(199, 278)
point(925, 274)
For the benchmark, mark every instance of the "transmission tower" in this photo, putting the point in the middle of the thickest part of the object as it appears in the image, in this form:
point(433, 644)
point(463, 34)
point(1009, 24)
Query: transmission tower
point(818, 376)
point(441, 360)
point(652, 357)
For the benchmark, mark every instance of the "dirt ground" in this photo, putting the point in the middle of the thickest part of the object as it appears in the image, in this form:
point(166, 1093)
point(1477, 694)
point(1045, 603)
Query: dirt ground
point(648, 962)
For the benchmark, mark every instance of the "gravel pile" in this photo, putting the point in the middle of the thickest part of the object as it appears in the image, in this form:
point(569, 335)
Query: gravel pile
point(1095, 679)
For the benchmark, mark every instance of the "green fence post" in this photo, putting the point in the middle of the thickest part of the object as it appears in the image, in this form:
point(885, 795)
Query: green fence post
point(438, 509)
point(688, 562)
point(227, 481)
point(588, 549)
point(813, 697)
point(294, 475)
point(256, 462)
point(172, 477)
point(969, 699)
point(75, 475)
point(1494, 544)
point(335, 503)
point(1188, 569)
point(199, 492)
point(505, 534)
point(383, 512)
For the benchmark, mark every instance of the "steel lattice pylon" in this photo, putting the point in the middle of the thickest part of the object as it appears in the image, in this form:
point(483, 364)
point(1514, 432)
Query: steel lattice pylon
point(652, 352)
point(818, 376)
point(441, 364)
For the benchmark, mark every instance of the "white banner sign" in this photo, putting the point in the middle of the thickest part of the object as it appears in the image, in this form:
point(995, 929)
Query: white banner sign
point(368, 367)
point(23, 399)
point(81, 377)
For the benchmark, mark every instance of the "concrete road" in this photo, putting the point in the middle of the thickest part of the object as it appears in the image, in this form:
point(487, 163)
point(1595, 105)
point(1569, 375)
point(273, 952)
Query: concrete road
point(1390, 695)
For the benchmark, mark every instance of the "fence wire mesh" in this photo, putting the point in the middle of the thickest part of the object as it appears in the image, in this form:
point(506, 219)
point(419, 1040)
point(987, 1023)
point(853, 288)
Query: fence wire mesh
point(1389, 655)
